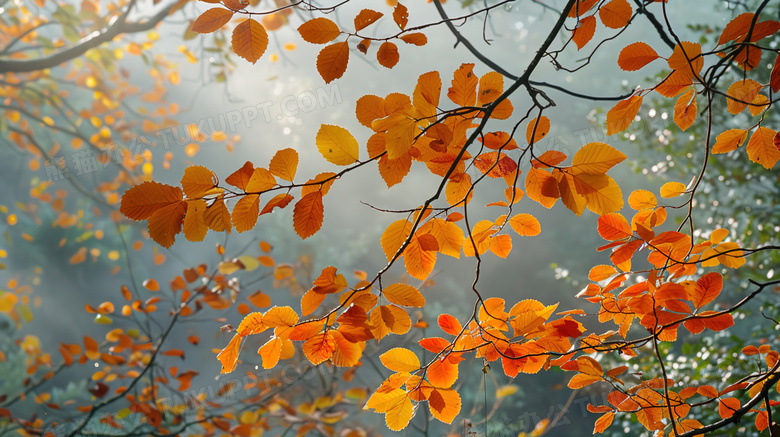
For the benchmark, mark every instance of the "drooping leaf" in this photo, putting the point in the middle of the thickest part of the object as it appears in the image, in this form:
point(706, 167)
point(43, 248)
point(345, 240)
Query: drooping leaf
point(584, 32)
point(762, 149)
point(308, 214)
point(250, 40)
point(332, 61)
point(245, 212)
point(387, 55)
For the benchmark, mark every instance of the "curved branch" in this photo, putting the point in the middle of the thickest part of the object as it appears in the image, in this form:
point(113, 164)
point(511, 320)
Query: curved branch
point(120, 26)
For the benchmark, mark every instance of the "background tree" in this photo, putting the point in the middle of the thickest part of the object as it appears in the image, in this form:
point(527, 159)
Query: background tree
point(653, 306)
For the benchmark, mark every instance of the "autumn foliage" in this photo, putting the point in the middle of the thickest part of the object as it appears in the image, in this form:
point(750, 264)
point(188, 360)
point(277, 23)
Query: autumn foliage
point(664, 280)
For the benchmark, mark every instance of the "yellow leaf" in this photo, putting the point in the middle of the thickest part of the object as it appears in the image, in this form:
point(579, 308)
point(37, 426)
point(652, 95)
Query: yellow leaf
point(394, 236)
point(245, 212)
point(672, 189)
point(506, 390)
point(399, 413)
point(250, 40)
point(404, 295)
point(596, 158)
point(337, 145)
point(229, 355)
point(400, 360)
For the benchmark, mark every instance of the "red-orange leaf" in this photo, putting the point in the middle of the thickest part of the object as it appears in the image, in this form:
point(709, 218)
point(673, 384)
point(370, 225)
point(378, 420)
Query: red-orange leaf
point(444, 404)
point(308, 214)
point(635, 56)
point(319, 348)
point(614, 227)
point(250, 40)
point(707, 288)
point(449, 324)
point(584, 31)
point(616, 14)
point(727, 407)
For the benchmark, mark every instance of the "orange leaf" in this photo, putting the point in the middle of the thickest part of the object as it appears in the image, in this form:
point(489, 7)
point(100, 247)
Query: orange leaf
point(635, 56)
point(229, 355)
point(261, 180)
point(245, 212)
point(278, 201)
point(707, 288)
point(686, 59)
point(584, 31)
point(727, 407)
point(762, 149)
point(250, 40)
point(394, 236)
point(319, 30)
point(603, 422)
point(417, 38)
point(365, 18)
point(463, 91)
point(217, 217)
point(401, 15)
point(91, 348)
point(542, 187)
point(141, 201)
point(319, 348)
point(197, 181)
point(622, 115)
point(387, 55)
point(332, 61)
point(685, 110)
point(740, 94)
point(449, 324)
point(393, 171)
point(442, 373)
point(370, 108)
point(616, 14)
point(241, 177)
point(195, 228)
point(444, 404)
point(211, 20)
point(166, 222)
point(537, 130)
point(614, 227)
point(308, 215)
point(404, 295)
point(581, 7)
point(642, 199)
point(491, 85)
point(501, 245)
point(284, 164)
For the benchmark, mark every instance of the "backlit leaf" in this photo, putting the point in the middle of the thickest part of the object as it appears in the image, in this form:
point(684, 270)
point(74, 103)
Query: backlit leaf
point(387, 55)
point(635, 56)
point(584, 31)
point(284, 164)
point(400, 360)
point(622, 114)
point(332, 61)
point(308, 214)
point(250, 40)
point(615, 14)
point(197, 181)
point(337, 145)
point(211, 20)
point(761, 148)
point(141, 201)
point(404, 295)
point(596, 158)
point(319, 30)
point(672, 189)
point(365, 18)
